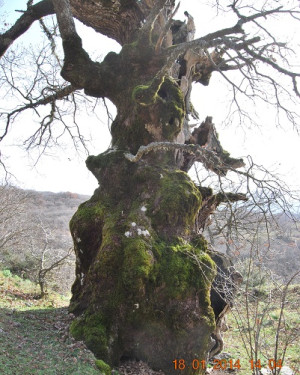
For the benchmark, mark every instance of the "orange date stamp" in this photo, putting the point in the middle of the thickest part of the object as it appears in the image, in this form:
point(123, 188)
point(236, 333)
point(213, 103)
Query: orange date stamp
point(223, 364)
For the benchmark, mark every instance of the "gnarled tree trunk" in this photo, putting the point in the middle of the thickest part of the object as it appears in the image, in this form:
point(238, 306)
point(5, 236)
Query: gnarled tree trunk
point(143, 272)
point(143, 278)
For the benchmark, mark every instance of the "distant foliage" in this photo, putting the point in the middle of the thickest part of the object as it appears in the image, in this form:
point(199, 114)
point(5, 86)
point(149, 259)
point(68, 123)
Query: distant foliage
point(34, 234)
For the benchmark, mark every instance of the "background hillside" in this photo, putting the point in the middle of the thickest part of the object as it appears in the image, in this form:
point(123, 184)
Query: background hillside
point(34, 236)
point(33, 223)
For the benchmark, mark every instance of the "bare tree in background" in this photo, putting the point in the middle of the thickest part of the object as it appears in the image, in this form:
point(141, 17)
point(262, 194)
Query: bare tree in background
point(28, 247)
point(47, 258)
point(143, 270)
point(266, 313)
point(261, 237)
point(14, 222)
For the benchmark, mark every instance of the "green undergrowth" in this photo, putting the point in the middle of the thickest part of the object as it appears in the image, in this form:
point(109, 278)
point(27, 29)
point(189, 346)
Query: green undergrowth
point(265, 321)
point(34, 335)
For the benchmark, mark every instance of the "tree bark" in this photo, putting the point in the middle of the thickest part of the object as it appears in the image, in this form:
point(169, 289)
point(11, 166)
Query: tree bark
point(143, 271)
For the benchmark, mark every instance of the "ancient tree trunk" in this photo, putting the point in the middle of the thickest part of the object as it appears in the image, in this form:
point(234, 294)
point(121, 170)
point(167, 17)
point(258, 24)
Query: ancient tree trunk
point(143, 272)
point(143, 275)
point(143, 279)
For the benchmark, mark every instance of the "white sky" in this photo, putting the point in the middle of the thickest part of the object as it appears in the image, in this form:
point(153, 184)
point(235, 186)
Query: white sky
point(62, 170)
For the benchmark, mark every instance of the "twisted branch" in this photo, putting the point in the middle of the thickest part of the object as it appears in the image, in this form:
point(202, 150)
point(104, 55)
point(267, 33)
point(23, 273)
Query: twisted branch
point(210, 159)
point(58, 95)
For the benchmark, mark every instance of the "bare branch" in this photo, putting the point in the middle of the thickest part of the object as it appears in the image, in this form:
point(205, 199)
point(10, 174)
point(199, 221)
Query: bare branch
point(58, 95)
point(65, 19)
point(210, 159)
point(33, 13)
point(50, 37)
point(146, 31)
point(244, 19)
point(165, 30)
point(55, 264)
point(276, 67)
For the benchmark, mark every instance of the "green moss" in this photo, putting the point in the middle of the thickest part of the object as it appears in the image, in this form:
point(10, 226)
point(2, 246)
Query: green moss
point(199, 242)
point(178, 273)
point(208, 313)
point(87, 212)
point(139, 281)
point(138, 260)
point(143, 95)
point(172, 108)
point(103, 367)
point(153, 110)
point(108, 262)
point(76, 329)
point(92, 329)
point(177, 202)
point(183, 269)
point(168, 96)
point(146, 94)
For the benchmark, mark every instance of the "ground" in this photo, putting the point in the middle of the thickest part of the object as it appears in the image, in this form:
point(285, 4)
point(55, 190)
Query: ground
point(35, 339)
point(34, 335)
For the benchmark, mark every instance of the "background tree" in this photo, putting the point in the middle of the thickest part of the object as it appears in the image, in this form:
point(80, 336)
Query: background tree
point(31, 244)
point(46, 258)
point(144, 272)
point(263, 245)
point(14, 224)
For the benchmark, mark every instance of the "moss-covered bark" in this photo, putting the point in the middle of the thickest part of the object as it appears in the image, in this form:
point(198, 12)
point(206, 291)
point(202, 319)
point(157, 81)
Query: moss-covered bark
point(142, 287)
point(143, 274)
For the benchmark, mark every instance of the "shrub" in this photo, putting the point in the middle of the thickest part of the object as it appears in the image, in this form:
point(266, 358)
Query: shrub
point(7, 273)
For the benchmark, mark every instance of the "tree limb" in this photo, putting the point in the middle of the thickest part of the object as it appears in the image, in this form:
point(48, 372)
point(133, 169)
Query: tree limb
point(58, 95)
point(165, 30)
point(56, 264)
point(146, 30)
point(65, 19)
point(276, 67)
point(219, 37)
point(211, 160)
point(33, 13)
point(78, 68)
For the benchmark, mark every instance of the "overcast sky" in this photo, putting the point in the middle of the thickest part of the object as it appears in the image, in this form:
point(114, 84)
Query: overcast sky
point(63, 170)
